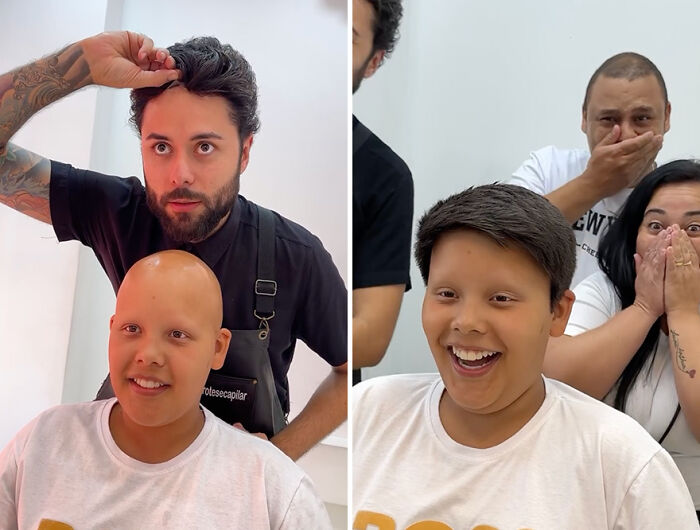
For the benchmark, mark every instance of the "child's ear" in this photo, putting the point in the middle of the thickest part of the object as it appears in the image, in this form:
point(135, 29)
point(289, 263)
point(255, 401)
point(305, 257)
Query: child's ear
point(561, 312)
point(223, 337)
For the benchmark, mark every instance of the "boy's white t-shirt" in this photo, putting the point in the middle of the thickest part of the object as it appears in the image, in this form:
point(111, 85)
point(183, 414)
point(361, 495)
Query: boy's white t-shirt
point(550, 168)
point(64, 466)
point(576, 464)
point(653, 399)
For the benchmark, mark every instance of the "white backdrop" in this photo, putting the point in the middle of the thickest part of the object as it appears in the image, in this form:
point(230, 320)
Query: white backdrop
point(473, 87)
point(54, 330)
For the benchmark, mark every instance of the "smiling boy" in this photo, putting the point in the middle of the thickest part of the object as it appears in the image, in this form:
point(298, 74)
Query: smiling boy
point(490, 443)
point(152, 457)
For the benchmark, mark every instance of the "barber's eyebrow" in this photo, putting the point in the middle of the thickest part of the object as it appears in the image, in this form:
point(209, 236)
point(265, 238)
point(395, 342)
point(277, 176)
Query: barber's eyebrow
point(660, 211)
point(199, 136)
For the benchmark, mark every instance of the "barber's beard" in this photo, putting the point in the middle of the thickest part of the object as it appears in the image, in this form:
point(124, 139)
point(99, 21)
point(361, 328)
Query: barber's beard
point(190, 227)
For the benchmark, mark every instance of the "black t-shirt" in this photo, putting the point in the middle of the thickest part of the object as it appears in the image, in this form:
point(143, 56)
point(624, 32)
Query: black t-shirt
point(110, 215)
point(382, 215)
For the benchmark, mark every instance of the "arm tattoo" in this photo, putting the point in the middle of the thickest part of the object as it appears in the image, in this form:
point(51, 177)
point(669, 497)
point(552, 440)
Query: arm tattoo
point(680, 355)
point(28, 89)
point(24, 182)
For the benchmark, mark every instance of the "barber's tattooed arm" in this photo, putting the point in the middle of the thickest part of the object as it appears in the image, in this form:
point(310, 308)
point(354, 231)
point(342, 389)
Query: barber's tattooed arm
point(24, 176)
point(24, 182)
point(122, 59)
point(680, 355)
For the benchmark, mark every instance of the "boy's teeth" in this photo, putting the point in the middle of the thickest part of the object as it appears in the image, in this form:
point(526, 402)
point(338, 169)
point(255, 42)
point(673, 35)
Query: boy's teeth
point(472, 355)
point(145, 383)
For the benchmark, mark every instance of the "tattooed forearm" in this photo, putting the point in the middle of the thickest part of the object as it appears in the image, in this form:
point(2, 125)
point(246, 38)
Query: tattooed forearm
point(24, 182)
point(680, 355)
point(28, 89)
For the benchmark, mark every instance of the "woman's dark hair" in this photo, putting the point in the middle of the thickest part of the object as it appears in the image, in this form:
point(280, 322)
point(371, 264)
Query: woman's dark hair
point(616, 257)
point(209, 68)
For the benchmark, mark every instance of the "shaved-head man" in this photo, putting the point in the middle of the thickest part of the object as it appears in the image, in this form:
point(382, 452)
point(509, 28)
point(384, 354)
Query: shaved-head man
point(152, 456)
point(625, 114)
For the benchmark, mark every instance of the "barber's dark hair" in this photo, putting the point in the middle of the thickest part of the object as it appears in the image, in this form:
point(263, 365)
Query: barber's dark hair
point(513, 217)
point(616, 258)
point(387, 16)
point(627, 65)
point(209, 68)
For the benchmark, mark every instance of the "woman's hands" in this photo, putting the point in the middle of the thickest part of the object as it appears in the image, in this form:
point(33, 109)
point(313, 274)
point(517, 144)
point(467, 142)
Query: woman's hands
point(668, 275)
point(651, 269)
point(682, 285)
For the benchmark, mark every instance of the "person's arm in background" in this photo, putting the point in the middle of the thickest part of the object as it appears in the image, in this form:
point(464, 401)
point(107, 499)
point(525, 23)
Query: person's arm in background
point(120, 60)
point(613, 165)
point(375, 311)
point(682, 298)
point(381, 262)
point(594, 360)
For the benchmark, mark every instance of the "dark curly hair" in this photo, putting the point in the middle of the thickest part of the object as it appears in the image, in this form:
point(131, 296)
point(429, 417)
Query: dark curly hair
point(387, 16)
point(209, 68)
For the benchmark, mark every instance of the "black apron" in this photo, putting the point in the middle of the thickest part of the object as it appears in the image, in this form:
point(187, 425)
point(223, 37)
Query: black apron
point(243, 390)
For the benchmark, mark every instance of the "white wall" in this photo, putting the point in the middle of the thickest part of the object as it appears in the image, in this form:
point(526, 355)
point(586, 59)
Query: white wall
point(473, 87)
point(37, 276)
point(298, 167)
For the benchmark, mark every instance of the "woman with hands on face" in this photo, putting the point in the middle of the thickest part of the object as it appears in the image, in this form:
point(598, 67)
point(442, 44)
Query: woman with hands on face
point(633, 338)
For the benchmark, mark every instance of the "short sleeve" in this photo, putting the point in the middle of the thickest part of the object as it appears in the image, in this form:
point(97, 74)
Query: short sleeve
point(322, 321)
point(657, 498)
point(596, 303)
point(306, 510)
point(82, 202)
point(382, 215)
point(11, 469)
point(109, 214)
point(531, 175)
point(382, 251)
point(8, 486)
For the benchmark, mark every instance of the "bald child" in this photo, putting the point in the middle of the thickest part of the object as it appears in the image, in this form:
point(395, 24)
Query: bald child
point(152, 457)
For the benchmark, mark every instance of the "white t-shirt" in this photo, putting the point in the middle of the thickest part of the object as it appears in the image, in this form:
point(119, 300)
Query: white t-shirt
point(64, 466)
point(576, 464)
point(652, 401)
point(550, 168)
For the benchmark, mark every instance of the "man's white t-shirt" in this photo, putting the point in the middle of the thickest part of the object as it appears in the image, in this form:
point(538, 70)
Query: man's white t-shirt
point(65, 467)
point(550, 168)
point(652, 401)
point(576, 464)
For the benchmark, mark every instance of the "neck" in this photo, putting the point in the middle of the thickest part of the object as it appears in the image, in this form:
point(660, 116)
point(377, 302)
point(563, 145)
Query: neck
point(154, 445)
point(492, 428)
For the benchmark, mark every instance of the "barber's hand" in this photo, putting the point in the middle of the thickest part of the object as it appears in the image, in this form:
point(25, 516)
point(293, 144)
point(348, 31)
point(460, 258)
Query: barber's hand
point(124, 59)
point(616, 164)
point(262, 435)
point(650, 269)
point(682, 289)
